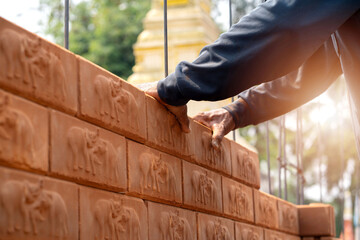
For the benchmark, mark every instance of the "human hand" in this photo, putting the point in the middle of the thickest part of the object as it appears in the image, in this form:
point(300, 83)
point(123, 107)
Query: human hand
point(180, 112)
point(219, 121)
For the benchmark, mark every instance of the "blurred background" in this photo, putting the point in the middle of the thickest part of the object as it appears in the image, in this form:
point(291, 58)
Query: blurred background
point(126, 38)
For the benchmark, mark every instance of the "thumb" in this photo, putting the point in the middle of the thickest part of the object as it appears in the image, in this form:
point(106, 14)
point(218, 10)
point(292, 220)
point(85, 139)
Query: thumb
point(217, 136)
point(184, 123)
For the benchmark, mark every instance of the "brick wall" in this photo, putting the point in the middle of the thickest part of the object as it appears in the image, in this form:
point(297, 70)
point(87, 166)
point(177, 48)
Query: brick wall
point(85, 155)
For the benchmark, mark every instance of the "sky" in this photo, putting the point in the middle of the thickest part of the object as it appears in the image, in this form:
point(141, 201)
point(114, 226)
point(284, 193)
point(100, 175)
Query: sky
point(24, 13)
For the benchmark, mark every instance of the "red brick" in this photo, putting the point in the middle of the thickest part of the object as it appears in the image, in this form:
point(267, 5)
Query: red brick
point(164, 131)
point(245, 165)
point(168, 222)
point(266, 212)
point(37, 69)
point(105, 215)
point(86, 153)
point(316, 220)
point(238, 200)
point(202, 188)
point(248, 232)
point(273, 235)
point(24, 130)
point(110, 101)
point(288, 217)
point(153, 173)
point(211, 227)
point(207, 155)
point(37, 207)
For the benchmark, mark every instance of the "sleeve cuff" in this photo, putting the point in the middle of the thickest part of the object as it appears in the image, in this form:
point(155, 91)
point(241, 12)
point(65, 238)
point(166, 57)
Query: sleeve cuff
point(169, 92)
point(239, 112)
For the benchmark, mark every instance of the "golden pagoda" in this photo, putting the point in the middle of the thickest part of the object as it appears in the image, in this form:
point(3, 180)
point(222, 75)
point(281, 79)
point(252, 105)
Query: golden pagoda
point(190, 28)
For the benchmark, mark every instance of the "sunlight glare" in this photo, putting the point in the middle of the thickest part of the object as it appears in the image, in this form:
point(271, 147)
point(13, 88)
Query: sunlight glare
point(325, 112)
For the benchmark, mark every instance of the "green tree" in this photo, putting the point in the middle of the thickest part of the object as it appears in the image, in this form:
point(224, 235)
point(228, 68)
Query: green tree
point(102, 31)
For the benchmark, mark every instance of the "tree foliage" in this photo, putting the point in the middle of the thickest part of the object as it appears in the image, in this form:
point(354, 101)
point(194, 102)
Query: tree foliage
point(103, 31)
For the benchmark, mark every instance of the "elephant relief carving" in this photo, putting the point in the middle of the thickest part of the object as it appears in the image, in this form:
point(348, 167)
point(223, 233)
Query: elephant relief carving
point(249, 234)
point(289, 217)
point(267, 209)
point(238, 200)
point(156, 174)
point(170, 133)
point(27, 205)
point(214, 157)
point(174, 227)
point(165, 135)
point(17, 134)
point(26, 59)
point(246, 166)
point(204, 189)
point(116, 102)
point(215, 230)
point(92, 153)
point(115, 221)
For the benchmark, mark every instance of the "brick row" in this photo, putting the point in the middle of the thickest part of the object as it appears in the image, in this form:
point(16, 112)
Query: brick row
point(39, 207)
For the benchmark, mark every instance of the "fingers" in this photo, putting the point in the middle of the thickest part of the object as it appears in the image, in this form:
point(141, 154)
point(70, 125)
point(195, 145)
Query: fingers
point(203, 119)
point(181, 116)
point(219, 121)
point(218, 135)
point(185, 124)
point(180, 112)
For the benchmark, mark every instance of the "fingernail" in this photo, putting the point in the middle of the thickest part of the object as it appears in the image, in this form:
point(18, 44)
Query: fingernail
point(215, 143)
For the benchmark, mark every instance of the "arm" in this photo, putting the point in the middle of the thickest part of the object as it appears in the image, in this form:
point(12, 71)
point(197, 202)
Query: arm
point(272, 99)
point(270, 42)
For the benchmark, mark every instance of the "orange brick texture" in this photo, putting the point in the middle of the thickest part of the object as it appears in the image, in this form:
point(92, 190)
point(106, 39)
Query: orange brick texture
point(86, 155)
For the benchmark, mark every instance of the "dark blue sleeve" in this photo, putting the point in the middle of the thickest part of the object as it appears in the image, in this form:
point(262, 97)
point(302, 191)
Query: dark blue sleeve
point(273, 40)
point(275, 98)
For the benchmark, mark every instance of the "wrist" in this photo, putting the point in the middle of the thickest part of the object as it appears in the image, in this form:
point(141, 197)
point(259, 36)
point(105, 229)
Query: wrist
point(239, 112)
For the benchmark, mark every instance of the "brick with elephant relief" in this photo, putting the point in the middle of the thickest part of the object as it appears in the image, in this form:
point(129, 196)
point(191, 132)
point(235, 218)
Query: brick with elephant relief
point(288, 217)
point(266, 212)
point(37, 207)
point(24, 133)
point(107, 215)
point(164, 132)
point(153, 174)
point(37, 69)
point(237, 200)
point(109, 101)
point(167, 222)
point(202, 188)
point(245, 165)
point(207, 155)
point(86, 153)
point(212, 227)
point(245, 231)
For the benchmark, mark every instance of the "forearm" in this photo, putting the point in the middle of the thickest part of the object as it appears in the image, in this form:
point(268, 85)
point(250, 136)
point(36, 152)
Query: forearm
point(272, 99)
point(270, 42)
